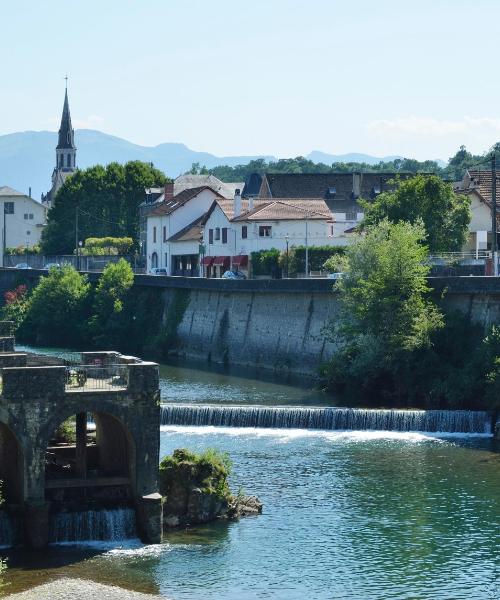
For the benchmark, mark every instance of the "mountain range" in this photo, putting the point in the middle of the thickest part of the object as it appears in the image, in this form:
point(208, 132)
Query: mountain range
point(27, 158)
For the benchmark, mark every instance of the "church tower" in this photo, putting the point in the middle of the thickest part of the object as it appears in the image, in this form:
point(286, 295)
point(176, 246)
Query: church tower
point(65, 154)
point(66, 149)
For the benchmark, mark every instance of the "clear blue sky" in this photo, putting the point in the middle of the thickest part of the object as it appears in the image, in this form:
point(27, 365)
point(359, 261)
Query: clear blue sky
point(279, 77)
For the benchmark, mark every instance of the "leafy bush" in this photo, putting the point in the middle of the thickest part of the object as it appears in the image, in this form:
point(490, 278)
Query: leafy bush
point(66, 432)
point(208, 471)
point(16, 306)
point(114, 283)
point(23, 250)
point(57, 308)
point(266, 262)
point(317, 256)
point(107, 246)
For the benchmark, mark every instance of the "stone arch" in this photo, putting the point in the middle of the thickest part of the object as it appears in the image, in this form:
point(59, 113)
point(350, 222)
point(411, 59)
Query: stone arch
point(11, 466)
point(107, 457)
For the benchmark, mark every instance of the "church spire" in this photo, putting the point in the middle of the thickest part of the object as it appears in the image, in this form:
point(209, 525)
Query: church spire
point(66, 139)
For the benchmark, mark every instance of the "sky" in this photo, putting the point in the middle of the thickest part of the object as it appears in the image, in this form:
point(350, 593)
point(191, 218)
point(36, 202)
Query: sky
point(279, 77)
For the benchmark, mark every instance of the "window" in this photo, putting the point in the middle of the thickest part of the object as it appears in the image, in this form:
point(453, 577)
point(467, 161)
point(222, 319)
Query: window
point(164, 233)
point(61, 160)
point(166, 260)
point(217, 233)
point(26, 216)
point(244, 232)
point(210, 236)
point(154, 236)
point(68, 160)
point(31, 216)
point(351, 216)
point(154, 260)
point(224, 235)
point(332, 233)
point(265, 230)
point(8, 208)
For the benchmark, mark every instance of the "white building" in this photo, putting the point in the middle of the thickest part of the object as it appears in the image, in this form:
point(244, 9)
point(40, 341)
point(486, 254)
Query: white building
point(22, 220)
point(232, 230)
point(174, 230)
point(477, 186)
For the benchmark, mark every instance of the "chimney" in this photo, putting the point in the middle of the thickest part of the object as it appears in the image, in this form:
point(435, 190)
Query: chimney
point(250, 203)
point(237, 203)
point(29, 193)
point(169, 191)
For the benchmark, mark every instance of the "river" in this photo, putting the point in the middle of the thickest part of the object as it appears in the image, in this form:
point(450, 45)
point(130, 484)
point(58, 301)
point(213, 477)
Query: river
point(347, 514)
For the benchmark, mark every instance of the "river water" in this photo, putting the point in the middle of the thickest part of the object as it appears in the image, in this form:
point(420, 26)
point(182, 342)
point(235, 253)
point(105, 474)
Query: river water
point(347, 514)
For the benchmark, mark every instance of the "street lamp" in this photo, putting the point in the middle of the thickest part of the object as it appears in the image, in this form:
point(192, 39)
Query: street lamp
point(78, 252)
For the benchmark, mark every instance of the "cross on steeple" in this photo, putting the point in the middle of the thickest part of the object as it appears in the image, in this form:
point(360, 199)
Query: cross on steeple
point(66, 79)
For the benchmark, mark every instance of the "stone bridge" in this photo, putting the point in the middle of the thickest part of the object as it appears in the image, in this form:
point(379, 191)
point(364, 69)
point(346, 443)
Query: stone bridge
point(116, 461)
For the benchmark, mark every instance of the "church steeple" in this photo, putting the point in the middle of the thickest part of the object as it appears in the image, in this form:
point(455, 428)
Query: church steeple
point(66, 133)
point(66, 149)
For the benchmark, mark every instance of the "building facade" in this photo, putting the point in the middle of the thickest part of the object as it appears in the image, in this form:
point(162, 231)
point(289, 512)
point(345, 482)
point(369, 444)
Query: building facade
point(232, 230)
point(173, 230)
point(23, 219)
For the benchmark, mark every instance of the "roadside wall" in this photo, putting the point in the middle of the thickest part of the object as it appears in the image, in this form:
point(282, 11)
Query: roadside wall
point(273, 324)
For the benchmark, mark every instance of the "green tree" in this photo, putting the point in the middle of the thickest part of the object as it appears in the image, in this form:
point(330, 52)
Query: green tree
point(427, 199)
point(58, 308)
point(107, 200)
point(106, 323)
point(385, 312)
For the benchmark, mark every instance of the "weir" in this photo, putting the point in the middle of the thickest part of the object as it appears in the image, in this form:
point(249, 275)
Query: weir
point(93, 525)
point(334, 419)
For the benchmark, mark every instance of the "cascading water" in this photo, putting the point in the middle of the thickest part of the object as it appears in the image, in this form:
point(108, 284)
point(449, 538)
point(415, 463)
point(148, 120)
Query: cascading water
point(336, 419)
point(93, 525)
point(6, 530)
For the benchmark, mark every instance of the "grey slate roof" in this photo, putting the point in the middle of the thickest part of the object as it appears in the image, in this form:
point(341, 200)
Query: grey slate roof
point(226, 190)
point(66, 138)
point(190, 233)
point(5, 190)
point(339, 190)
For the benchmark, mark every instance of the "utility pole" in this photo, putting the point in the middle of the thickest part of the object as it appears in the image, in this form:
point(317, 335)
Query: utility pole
point(76, 239)
point(307, 251)
point(4, 245)
point(494, 212)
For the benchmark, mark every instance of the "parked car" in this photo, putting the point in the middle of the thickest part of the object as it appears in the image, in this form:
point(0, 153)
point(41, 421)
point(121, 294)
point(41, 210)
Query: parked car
point(158, 271)
point(234, 275)
point(49, 266)
point(336, 275)
point(22, 266)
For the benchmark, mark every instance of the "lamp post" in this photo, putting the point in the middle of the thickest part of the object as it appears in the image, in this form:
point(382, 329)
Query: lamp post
point(286, 240)
point(78, 252)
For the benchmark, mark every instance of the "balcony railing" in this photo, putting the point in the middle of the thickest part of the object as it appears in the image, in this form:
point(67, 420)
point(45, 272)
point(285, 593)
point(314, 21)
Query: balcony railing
point(84, 378)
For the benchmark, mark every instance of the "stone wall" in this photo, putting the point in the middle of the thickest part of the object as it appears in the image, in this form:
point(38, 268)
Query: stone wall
point(272, 324)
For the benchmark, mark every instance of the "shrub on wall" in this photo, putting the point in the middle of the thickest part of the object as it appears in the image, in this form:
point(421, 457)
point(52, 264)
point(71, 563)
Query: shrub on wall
point(266, 262)
point(107, 245)
point(318, 255)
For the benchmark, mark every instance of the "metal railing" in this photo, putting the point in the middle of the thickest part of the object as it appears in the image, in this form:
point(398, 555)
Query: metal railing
point(80, 378)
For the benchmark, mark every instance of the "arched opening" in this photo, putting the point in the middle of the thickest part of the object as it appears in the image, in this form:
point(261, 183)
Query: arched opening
point(68, 160)
point(154, 260)
point(90, 456)
point(11, 467)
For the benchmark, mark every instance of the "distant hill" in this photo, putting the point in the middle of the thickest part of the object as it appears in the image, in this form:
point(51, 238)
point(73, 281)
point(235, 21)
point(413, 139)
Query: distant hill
point(27, 158)
point(317, 156)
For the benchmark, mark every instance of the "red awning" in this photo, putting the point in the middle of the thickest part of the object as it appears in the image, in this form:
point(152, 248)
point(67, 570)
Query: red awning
point(207, 261)
point(221, 261)
point(240, 261)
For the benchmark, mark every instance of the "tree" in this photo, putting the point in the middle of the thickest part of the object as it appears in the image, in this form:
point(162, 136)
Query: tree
point(58, 308)
point(385, 313)
point(107, 200)
point(114, 284)
point(426, 198)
